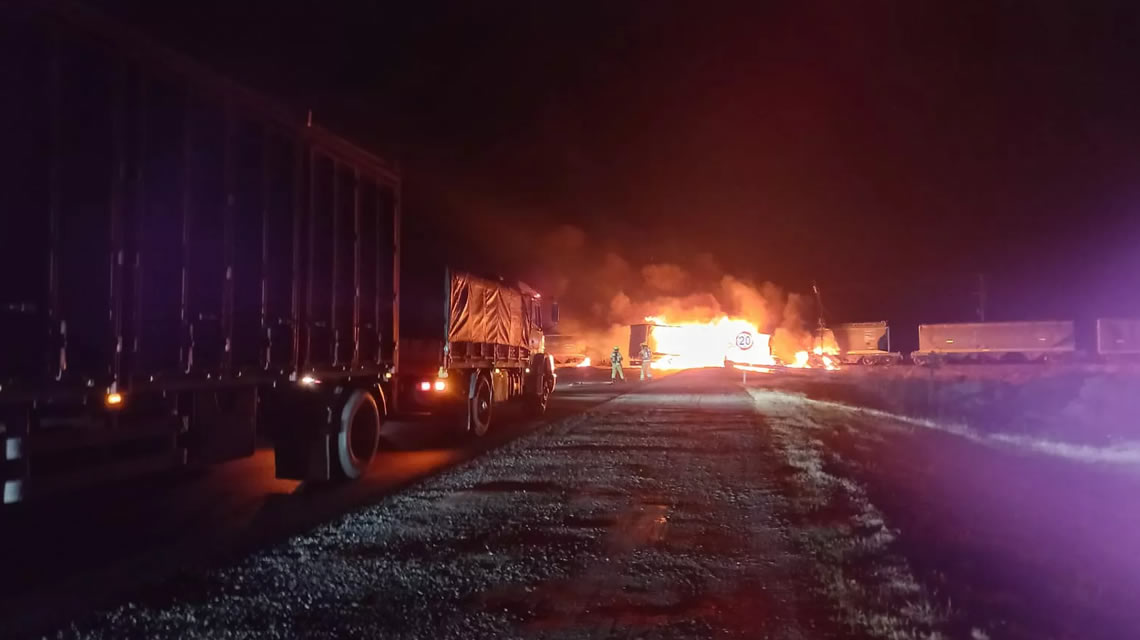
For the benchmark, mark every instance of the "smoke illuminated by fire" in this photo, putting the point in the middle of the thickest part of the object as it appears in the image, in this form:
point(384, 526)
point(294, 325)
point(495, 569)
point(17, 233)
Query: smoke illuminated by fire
point(705, 306)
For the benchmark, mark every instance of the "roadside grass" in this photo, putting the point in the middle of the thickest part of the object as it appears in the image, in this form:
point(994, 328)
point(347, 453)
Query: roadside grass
point(871, 588)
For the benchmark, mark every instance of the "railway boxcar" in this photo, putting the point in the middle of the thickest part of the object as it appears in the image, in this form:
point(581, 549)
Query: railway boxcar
point(1118, 337)
point(865, 343)
point(996, 341)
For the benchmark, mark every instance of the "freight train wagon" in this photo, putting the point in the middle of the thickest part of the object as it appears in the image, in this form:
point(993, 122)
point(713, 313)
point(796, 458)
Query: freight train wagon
point(865, 343)
point(996, 341)
point(1118, 338)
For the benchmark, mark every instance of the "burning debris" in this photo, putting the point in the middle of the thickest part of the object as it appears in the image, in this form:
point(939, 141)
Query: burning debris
point(815, 359)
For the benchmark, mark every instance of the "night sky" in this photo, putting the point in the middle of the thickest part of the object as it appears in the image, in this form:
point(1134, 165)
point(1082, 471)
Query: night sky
point(891, 150)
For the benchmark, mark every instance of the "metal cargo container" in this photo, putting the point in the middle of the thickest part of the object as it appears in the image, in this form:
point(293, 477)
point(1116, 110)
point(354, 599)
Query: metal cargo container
point(1118, 336)
point(996, 340)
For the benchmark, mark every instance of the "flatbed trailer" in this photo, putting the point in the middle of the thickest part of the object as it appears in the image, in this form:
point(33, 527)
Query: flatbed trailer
point(184, 266)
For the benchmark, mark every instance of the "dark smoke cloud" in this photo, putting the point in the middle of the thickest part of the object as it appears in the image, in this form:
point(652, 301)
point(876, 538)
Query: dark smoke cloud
point(605, 279)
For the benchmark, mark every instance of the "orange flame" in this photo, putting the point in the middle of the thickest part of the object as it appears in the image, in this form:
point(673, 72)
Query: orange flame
point(823, 359)
point(584, 363)
point(689, 345)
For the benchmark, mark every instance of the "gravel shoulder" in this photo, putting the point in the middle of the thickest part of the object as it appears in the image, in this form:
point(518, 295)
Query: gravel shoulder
point(653, 516)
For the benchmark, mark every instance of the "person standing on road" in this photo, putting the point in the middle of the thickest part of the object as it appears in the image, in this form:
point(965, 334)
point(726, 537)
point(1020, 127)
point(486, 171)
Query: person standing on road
point(615, 366)
point(646, 361)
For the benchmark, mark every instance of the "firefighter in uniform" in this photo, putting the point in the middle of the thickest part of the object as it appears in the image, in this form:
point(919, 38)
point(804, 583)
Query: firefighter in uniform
point(615, 366)
point(646, 360)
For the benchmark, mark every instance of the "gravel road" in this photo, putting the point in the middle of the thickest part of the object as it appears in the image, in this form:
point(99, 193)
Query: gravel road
point(694, 506)
point(652, 515)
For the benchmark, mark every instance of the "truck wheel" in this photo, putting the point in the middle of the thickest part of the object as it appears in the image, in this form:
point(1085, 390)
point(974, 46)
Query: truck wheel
point(480, 405)
point(359, 434)
point(537, 403)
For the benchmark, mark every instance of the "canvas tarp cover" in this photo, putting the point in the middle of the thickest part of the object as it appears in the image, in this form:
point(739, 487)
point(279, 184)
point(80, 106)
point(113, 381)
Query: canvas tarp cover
point(487, 311)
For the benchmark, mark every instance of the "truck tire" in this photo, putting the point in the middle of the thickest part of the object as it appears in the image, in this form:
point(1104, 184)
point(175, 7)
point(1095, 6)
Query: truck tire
point(358, 435)
point(539, 384)
point(480, 406)
point(536, 403)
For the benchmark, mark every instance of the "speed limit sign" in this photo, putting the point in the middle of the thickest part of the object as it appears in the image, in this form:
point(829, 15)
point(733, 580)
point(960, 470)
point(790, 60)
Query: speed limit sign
point(744, 341)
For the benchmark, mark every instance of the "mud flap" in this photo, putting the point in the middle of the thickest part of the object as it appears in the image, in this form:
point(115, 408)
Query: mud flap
point(301, 437)
point(305, 459)
point(222, 426)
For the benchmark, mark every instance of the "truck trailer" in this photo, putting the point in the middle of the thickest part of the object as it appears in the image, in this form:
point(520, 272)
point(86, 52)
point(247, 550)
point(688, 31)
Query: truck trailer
point(647, 333)
point(187, 267)
point(474, 342)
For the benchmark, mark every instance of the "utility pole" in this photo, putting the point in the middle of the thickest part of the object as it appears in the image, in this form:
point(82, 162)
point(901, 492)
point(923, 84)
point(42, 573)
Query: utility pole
point(981, 294)
point(820, 324)
point(818, 304)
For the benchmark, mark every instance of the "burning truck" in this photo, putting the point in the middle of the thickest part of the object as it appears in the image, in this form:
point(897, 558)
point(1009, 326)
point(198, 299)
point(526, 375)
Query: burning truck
point(688, 345)
point(728, 341)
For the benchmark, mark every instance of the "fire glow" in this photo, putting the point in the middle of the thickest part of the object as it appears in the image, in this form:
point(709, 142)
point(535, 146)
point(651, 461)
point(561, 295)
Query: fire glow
point(691, 345)
point(728, 341)
point(824, 359)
